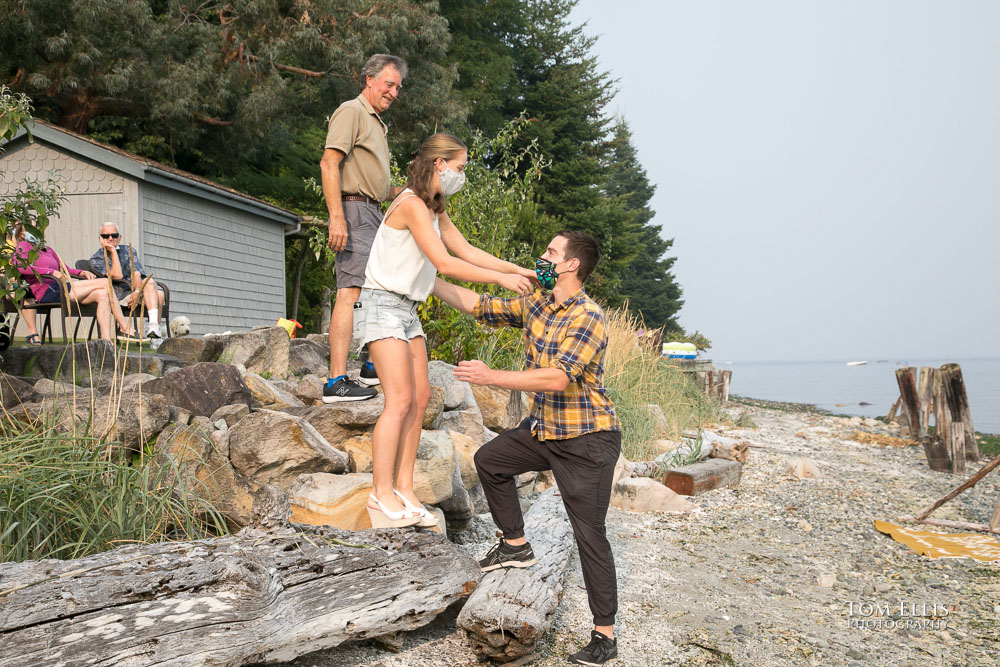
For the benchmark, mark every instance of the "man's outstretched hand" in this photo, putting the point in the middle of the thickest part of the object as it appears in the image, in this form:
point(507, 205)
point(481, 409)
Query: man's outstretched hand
point(474, 372)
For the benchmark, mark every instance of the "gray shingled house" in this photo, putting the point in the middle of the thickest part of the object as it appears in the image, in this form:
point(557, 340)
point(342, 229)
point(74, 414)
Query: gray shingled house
point(221, 252)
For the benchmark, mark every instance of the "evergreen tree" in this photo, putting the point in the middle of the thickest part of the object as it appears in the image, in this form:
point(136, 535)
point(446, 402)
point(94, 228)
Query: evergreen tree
point(650, 286)
point(213, 87)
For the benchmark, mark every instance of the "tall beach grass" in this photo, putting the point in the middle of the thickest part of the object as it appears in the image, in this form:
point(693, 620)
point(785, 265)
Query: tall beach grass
point(66, 492)
point(637, 378)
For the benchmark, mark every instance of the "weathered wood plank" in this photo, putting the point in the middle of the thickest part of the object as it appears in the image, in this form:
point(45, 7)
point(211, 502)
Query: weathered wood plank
point(512, 609)
point(967, 484)
point(943, 416)
point(690, 480)
point(925, 396)
point(958, 402)
point(906, 378)
point(249, 597)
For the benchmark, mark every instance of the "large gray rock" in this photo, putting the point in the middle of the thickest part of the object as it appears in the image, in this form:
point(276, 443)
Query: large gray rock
point(458, 509)
point(492, 403)
point(322, 499)
point(469, 422)
point(309, 390)
point(306, 356)
point(642, 494)
point(75, 363)
point(201, 389)
point(457, 394)
point(197, 461)
point(193, 349)
point(338, 421)
point(230, 414)
point(434, 407)
point(129, 420)
point(15, 391)
point(432, 476)
point(465, 451)
point(47, 387)
point(131, 382)
point(268, 395)
point(263, 351)
point(274, 448)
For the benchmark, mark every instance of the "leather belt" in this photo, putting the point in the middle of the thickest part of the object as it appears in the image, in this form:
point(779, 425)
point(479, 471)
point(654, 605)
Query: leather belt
point(360, 198)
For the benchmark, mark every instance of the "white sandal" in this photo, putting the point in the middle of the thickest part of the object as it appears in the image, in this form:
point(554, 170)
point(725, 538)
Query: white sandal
point(383, 518)
point(427, 518)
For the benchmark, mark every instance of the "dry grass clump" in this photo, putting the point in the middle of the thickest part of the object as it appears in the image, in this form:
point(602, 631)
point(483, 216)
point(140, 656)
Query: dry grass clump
point(637, 378)
point(881, 440)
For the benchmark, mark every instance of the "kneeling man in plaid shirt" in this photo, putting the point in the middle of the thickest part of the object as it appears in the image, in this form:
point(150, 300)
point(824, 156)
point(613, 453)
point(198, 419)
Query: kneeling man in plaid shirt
point(572, 430)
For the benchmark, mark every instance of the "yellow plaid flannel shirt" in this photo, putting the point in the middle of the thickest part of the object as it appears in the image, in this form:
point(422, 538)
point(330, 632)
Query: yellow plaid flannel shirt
point(571, 336)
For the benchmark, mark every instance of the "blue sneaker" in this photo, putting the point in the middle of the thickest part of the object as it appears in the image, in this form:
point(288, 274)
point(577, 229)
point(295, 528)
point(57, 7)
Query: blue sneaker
point(368, 375)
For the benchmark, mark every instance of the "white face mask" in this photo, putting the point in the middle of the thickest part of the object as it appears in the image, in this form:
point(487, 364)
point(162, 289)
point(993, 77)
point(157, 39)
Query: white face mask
point(451, 182)
point(31, 238)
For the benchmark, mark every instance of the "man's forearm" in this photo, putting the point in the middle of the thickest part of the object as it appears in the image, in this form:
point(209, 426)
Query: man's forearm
point(114, 267)
point(480, 257)
point(331, 192)
point(534, 379)
point(457, 297)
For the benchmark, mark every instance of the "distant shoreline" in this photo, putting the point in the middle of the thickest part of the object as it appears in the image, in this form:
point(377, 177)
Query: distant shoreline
point(808, 408)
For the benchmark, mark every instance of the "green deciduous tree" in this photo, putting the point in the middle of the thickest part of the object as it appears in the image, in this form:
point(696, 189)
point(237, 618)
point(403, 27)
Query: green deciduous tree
point(31, 206)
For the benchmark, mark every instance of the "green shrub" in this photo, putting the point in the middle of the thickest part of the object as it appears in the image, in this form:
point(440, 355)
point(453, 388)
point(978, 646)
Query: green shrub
point(66, 497)
point(488, 211)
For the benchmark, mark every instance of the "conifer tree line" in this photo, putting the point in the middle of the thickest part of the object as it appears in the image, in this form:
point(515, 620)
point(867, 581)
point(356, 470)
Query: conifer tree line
point(239, 91)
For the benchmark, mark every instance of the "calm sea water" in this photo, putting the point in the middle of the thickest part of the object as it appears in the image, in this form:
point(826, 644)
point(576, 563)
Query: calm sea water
point(839, 388)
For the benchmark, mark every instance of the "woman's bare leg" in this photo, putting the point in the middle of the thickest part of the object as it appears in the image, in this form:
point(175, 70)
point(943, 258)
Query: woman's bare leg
point(98, 292)
point(409, 437)
point(391, 357)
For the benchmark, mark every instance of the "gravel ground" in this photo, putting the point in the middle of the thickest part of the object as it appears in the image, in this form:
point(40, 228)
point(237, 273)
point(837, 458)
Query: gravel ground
point(736, 582)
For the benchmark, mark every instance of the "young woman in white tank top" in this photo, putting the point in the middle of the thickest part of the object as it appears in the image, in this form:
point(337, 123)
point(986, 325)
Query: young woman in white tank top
point(416, 241)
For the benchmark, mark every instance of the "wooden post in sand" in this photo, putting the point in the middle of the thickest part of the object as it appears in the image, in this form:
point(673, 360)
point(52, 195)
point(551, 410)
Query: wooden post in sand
point(906, 378)
point(724, 378)
point(926, 396)
point(958, 406)
point(942, 421)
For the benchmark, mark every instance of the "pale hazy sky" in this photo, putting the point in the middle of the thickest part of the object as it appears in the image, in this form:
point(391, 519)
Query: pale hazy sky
point(830, 170)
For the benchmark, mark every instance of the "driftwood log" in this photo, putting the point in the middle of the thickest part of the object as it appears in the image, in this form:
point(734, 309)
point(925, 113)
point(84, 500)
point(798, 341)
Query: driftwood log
point(255, 596)
point(512, 609)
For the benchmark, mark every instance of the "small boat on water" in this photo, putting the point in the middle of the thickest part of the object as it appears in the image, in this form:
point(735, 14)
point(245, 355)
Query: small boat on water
point(856, 363)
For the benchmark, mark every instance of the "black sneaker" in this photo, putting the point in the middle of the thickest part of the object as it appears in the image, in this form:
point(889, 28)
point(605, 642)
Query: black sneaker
point(599, 651)
point(368, 375)
point(505, 555)
point(346, 389)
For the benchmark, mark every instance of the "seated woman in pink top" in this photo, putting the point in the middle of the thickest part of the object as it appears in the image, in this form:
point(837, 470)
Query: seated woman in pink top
point(43, 279)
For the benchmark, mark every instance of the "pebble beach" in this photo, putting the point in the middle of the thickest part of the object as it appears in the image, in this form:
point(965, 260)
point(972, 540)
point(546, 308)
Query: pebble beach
point(776, 571)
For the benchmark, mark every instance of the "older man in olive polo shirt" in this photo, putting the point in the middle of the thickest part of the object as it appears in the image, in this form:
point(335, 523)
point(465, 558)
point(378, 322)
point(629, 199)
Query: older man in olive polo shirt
point(355, 170)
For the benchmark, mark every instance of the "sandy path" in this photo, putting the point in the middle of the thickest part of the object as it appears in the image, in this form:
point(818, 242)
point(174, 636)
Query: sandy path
point(736, 581)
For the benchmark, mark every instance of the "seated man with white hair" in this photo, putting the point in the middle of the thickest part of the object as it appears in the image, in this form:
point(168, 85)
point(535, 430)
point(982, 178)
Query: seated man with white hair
point(121, 263)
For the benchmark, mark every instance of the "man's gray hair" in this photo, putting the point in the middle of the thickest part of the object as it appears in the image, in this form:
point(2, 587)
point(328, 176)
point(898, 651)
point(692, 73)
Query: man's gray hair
point(110, 224)
point(378, 62)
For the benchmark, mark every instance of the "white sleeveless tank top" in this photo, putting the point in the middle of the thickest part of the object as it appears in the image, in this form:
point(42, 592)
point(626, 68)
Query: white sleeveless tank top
point(396, 263)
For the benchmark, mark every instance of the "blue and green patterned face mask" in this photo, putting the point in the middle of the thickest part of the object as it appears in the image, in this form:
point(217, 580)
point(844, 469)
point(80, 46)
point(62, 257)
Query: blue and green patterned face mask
point(546, 273)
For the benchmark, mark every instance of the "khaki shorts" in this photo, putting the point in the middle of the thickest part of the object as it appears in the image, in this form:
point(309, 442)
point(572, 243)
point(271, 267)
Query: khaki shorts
point(363, 219)
point(382, 314)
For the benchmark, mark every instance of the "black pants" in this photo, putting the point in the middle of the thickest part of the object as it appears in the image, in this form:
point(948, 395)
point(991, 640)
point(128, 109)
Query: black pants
point(583, 468)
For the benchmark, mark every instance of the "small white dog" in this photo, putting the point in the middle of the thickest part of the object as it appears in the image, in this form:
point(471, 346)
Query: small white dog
point(180, 326)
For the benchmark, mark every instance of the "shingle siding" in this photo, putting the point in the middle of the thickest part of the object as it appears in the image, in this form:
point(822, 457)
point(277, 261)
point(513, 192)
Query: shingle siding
point(225, 267)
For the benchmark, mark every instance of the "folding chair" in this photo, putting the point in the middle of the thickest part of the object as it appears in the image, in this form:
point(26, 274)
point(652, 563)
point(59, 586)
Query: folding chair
point(85, 265)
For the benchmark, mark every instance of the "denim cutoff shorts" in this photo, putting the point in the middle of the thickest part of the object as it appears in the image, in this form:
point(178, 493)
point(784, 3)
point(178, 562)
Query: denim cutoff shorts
point(380, 314)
